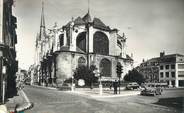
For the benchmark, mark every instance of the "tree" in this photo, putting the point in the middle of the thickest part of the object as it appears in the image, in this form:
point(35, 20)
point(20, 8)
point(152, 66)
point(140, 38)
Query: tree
point(85, 73)
point(134, 76)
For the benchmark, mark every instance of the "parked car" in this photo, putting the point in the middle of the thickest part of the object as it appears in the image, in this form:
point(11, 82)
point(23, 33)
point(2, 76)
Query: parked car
point(151, 91)
point(132, 85)
point(64, 87)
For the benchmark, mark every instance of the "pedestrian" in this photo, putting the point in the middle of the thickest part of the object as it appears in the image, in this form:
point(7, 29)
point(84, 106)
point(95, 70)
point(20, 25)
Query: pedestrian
point(110, 86)
point(115, 85)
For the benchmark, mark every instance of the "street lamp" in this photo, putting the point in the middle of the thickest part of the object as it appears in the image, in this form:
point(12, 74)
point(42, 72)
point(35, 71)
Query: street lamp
point(4, 83)
point(72, 84)
point(98, 74)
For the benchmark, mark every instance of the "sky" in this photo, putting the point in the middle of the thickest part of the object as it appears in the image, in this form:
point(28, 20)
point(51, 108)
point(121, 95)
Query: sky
point(151, 26)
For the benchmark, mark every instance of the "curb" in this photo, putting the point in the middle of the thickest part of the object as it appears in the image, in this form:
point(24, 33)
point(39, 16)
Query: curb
point(102, 96)
point(26, 106)
point(50, 88)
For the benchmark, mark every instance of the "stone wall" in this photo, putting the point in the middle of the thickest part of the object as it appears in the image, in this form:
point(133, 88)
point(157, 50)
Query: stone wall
point(67, 62)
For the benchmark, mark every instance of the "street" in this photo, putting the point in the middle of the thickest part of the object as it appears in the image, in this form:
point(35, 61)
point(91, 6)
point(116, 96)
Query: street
point(54, 101)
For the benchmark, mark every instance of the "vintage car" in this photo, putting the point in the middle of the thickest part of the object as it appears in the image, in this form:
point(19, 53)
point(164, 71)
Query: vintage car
point(151, 91)
point(132, 85)
point(64, 87)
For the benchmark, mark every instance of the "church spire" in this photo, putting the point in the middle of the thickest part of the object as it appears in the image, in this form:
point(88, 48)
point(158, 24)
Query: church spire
point(88, 6)
point(42, 23)
point(87, 17)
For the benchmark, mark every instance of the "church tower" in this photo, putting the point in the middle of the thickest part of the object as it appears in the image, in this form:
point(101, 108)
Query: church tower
point(41, 38)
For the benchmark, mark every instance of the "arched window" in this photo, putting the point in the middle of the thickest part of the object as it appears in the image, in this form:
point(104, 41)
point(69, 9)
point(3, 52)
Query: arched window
point(81, 61)
point(81, 41)
point(105, 66)
point(61, 39)
point(100, 43)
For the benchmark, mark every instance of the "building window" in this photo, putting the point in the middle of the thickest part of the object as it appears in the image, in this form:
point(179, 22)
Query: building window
point(167, 74)
point(105, 66)
point(173, 74)
point(173, 83)
point(173, 66)
point(180, 73)
point(161, 67)
point(161, 74)
point(167, 67)
point(181, 83)
point(81, 41)
point(61, 39)
point(100, 43)
point(81, 61)
point(180, 66)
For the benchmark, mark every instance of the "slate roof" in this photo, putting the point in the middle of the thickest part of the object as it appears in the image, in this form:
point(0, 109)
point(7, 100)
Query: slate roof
point(79, 21)
point(97, 23)
point(87, 18)
point(171, 58)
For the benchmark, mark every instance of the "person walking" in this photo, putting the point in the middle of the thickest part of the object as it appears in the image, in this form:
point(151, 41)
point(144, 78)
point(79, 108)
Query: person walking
point(115, 85)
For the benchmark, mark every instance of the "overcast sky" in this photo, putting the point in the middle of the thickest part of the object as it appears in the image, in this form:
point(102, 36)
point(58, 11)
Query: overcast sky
point(151, 26)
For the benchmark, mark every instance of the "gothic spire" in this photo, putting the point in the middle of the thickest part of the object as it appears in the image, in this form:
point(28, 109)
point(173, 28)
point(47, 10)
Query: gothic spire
point(88, 6)
point(87, 17)
point(42, 23)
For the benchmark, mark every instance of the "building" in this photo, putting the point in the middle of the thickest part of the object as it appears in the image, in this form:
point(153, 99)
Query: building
point(82, 41)
point(172, 69)
point(166, 68)
point(8, 39)
point(21, 76)
point(150, 69)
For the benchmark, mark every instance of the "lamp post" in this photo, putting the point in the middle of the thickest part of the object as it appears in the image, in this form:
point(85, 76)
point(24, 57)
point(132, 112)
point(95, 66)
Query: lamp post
point(98, 74)
point(4, 83)
point(72, 84)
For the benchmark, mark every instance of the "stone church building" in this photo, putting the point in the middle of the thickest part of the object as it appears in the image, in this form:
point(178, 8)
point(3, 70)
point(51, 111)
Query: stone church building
point(82, 41)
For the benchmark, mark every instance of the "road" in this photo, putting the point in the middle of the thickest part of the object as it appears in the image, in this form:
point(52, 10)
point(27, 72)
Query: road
point(54, 101)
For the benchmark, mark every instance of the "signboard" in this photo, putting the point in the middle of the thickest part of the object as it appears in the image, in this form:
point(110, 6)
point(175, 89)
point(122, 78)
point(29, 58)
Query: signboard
point(81, 82)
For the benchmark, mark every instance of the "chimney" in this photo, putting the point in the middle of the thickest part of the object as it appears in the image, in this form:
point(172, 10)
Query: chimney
point(162, 54)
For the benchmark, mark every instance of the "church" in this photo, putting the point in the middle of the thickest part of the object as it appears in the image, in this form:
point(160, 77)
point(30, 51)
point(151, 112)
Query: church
point(82, 41)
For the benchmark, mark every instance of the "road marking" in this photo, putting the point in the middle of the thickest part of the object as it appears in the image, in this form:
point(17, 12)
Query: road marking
point(25, 96)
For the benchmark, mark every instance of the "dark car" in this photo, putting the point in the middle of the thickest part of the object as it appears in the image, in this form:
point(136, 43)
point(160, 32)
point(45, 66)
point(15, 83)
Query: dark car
point(64, 87)
point(132, 85)
point(151, 91)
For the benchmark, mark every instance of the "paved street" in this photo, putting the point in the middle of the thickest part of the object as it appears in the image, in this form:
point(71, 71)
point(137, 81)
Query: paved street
point(53, 101)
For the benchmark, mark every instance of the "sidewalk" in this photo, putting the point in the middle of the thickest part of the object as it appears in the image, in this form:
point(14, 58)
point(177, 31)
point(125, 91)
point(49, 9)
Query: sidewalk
point(95, 93)
point(20, 100)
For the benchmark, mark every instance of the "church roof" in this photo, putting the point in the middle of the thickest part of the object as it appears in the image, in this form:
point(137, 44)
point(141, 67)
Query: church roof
point(79, 21)
point(99, 24)
point(87, 18)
